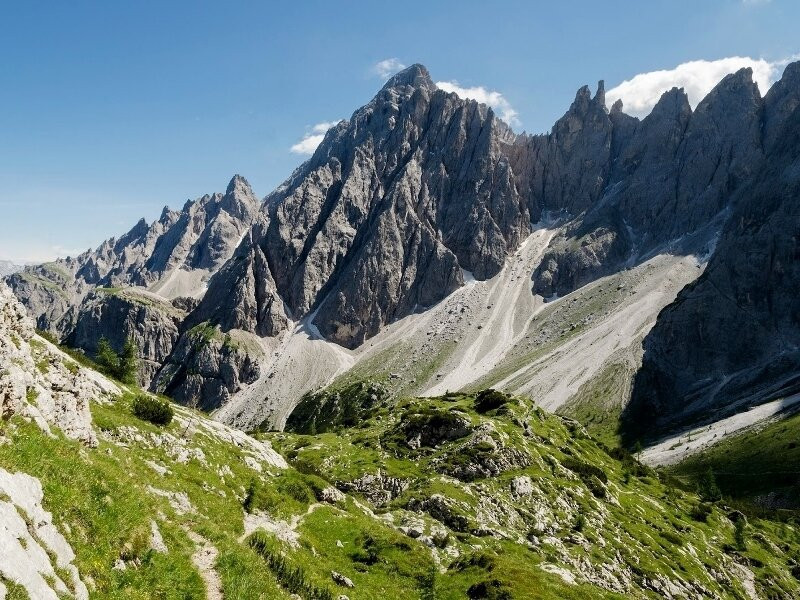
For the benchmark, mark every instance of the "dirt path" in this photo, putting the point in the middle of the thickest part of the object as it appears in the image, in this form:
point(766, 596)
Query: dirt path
point(205, 559)
point(283, 530)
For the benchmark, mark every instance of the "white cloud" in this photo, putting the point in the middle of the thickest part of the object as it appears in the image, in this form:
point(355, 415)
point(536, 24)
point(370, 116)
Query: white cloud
point(312, 138)
point(496, 100)
point(387, 67)
point(640, 93)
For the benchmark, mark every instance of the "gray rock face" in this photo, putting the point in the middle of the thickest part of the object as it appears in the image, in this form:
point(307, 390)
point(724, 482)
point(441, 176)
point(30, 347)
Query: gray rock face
point(397, 202)
point(673, 174)
point(242, 295)
point(390, 208)
point(734, 334)
point(51, 295)
point(151, 323)
point(567, 170)
point(202, 235)
point(172, 257)
point(206, 367)
point(40, 383)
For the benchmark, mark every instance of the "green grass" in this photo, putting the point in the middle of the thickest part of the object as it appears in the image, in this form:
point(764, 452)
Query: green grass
point(589, 505)
point(751, 465)
point(598, 403)
point(641, 520)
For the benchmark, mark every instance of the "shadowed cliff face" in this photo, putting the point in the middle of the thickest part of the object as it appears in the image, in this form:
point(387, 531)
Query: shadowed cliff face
point(734, 334)
point(672, 174)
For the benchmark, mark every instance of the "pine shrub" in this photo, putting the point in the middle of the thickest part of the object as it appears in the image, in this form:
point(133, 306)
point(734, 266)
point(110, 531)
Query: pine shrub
point(151, 409)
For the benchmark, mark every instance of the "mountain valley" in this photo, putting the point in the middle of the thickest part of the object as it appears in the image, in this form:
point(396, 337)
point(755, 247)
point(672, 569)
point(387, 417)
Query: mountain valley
point(441, 360)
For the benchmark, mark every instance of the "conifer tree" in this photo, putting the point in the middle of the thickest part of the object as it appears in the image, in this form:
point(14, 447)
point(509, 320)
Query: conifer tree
point(106, 357)
point(128, 363)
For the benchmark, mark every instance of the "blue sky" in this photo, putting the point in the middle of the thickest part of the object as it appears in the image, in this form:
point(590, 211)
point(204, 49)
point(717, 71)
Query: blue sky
point(111, 110)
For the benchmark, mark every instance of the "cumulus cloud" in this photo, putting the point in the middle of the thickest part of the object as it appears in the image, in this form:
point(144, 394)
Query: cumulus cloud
point(387, 67)
point(491, 98)
point(696, 77)
point(312, 138)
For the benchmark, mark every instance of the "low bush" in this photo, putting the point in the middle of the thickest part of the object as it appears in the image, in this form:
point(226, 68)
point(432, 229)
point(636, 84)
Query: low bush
point(584, 470)
point(149, 408)
point(672, 538)
point(480, 560)
point(596, 487)
point(124, 365)
point(701, 512)
point(490, 399)
point(707, 487)
point(580, 523)
point(493, 589)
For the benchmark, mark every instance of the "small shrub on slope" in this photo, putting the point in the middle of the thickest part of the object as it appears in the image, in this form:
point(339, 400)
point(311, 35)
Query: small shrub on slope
point(151, 409)
point(488, 400)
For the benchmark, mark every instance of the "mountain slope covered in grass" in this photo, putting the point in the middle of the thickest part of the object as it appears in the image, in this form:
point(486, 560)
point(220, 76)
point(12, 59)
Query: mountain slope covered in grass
point(759, 467)
point(464, 495)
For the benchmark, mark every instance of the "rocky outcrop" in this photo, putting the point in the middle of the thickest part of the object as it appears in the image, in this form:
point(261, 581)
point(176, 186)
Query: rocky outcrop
point(51, 295)
point(151, 322)
point(431, 428)
point(330, 410)
point(378, 488)
point(733, 335)
point(39, 382)
point(575, 259)
point(36, 556)
point(207, 367)
point(242, 295)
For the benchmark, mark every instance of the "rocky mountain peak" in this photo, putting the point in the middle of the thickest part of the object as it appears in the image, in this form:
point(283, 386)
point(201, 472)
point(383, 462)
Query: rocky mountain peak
point(780, 102)
point(415, 76)
point(673, 104)
point(240, 184)
point(600, 95)
point(735, 92)
point(239, 200)
point(422, 190)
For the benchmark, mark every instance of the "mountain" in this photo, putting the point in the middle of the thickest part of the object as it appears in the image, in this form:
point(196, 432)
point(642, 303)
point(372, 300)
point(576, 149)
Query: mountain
point(7, 267)
point(477, 496)
point(441, 335)
point(427, 246)
point(731, 338)
point(142, 284)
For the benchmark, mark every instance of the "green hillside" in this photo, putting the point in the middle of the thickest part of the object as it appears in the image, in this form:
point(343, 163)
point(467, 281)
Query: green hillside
point(759, 468)
point(478, 496)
